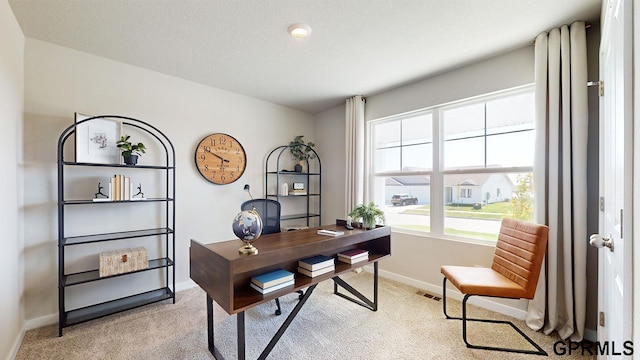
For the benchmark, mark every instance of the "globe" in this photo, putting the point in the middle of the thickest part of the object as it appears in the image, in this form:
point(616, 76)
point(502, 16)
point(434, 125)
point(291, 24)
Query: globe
point(247, 226)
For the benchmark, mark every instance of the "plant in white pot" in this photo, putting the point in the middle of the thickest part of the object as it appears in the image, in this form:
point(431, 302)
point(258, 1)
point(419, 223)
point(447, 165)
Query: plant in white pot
point(301, 152)
point(130, 151)
point(370, 215)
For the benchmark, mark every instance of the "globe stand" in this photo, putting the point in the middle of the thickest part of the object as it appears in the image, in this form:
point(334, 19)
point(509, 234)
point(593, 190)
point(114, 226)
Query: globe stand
point(248, 249)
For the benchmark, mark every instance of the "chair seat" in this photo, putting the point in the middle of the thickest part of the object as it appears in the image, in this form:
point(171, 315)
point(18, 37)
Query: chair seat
point(482, 281)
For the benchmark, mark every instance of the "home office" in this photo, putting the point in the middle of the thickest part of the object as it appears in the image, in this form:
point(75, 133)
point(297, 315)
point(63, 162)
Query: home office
point(52, 80)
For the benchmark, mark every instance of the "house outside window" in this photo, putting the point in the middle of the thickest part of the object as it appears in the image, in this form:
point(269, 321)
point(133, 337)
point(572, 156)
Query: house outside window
point(462, 181)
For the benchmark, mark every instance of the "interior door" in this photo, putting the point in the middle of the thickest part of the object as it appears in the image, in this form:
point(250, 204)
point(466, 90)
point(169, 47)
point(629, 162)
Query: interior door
point(614, 262)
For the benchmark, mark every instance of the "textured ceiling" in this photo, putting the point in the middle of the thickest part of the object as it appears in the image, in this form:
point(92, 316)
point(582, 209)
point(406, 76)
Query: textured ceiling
point(356, 46)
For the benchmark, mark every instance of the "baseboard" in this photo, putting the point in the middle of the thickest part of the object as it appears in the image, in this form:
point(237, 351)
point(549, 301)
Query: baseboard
point(53, 318)
point(16, 345)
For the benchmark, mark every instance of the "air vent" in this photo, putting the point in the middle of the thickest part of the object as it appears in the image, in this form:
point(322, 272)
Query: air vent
point(427, 295)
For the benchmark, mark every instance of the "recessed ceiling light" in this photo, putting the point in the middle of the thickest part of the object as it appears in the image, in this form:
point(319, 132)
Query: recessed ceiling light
point(299, 31)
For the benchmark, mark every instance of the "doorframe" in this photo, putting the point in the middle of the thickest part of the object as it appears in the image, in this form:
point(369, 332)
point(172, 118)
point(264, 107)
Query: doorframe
point(635, 186)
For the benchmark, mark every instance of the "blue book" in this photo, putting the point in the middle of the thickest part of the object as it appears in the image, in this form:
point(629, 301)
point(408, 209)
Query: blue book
point(272, 278)
point(316, 262)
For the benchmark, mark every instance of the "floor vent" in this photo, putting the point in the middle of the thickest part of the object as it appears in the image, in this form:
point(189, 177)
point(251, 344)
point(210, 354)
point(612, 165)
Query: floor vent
point(427, 295)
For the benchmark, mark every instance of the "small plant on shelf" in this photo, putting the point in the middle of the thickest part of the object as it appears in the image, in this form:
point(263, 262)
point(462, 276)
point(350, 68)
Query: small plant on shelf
point(301, 152)
point(370, 215)
point(129, 150)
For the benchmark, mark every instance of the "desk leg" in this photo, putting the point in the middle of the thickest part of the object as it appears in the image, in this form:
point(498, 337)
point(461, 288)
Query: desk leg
point(364, 301)
point(241, 337)
point(212, 348)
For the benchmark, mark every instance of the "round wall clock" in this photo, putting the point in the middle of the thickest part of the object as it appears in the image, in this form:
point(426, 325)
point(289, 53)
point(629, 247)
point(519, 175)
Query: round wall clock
point(220, 158)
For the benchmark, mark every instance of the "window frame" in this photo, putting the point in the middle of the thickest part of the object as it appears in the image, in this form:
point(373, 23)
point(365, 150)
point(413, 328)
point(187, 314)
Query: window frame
point(437, 172)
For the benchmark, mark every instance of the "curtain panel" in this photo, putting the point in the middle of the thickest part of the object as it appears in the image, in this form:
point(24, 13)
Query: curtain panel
point(560, 180)
point(355, 149)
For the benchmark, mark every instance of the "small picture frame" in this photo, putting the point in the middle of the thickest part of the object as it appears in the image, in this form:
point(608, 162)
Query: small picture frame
point(96, 140)
point(298, 186)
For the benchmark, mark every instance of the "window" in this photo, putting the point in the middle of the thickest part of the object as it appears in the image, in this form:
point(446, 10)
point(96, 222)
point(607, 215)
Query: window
point(463, 181)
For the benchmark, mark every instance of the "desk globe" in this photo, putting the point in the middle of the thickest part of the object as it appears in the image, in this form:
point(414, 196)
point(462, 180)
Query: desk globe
point(247, 225)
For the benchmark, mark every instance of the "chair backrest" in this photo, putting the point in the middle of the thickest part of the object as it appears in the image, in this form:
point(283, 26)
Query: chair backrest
point(269, 211)
point(519, 253)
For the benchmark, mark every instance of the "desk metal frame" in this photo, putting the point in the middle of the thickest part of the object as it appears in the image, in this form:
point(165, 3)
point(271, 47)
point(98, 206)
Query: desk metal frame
point(208, 275)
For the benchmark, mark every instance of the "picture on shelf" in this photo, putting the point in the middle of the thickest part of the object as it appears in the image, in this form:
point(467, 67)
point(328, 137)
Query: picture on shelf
point(96, 140)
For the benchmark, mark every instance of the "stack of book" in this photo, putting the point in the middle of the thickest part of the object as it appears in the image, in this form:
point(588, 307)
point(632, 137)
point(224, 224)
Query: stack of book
point(272, 281)
point(316, 265)
point(297, 192)
point(353, 256)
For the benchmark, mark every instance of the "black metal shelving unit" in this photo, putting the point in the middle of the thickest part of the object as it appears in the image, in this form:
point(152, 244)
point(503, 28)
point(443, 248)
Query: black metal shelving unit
point(276, 175)
point(165, 263)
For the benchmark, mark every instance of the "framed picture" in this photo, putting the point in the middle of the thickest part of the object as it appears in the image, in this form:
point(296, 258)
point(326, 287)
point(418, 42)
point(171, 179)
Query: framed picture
point(96, 140)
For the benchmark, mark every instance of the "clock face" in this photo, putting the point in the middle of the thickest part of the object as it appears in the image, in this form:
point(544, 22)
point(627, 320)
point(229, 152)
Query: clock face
point(220, 158)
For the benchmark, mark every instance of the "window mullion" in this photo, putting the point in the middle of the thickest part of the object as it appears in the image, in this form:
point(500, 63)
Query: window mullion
point(437, 181)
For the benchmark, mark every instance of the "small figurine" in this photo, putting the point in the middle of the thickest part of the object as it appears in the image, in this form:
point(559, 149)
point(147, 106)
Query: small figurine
point(100, 187)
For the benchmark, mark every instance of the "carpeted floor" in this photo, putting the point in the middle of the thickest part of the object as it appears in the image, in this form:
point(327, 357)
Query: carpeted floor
point(406, 326)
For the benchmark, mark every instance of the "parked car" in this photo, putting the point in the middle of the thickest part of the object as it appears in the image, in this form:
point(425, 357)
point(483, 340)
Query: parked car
point(403, 199)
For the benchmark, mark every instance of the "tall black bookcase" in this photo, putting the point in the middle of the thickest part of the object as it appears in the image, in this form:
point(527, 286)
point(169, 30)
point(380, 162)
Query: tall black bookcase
point(79, 277)
point(279, 170)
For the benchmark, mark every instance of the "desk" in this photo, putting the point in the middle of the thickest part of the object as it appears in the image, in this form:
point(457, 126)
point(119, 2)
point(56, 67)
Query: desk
point(225, 274)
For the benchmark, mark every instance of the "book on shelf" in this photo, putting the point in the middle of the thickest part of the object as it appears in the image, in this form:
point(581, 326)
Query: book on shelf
point(353, 260)
point(316, 262)
point(330, 232)
point(353, 256)
point(297, 192)
point(272, 278)
point(273, 288)
point(316, 272)
point(352, 253)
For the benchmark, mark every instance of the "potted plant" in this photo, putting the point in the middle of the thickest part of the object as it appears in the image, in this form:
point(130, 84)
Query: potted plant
point(130, 151)
point(369, 214)
point(301, 152)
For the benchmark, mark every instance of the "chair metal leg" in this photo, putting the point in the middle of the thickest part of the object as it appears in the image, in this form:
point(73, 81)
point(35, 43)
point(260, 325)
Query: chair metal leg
point(538, 351)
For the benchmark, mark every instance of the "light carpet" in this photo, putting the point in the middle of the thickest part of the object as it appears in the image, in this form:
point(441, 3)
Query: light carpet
point(406, 326)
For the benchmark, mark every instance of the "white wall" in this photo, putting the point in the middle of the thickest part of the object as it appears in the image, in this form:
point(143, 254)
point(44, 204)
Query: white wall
point(11, 98)
point(330, 130)
point(60, 81)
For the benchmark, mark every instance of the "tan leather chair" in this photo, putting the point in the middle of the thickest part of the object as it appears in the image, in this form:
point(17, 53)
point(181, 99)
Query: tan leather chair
point(514, 274)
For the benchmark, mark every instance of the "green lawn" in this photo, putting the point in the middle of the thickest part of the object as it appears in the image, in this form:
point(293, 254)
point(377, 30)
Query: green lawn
point(495, 211)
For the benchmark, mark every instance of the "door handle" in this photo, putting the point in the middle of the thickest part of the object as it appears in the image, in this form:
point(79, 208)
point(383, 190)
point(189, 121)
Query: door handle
point(598, 241)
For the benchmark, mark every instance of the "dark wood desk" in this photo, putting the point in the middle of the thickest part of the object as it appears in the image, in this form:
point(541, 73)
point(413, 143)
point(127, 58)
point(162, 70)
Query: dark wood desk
point(225, 274)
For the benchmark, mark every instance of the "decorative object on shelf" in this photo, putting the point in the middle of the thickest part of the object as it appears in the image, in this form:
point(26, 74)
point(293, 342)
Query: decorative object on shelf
point(139, 194)
point(99, 193)
point(96, 139)
point(247, 226)
point(298, 186)
point(284, 191)
point(123, 261)
point(301, 152)
point(130, 151)
point(220, 158)
point(369, 214)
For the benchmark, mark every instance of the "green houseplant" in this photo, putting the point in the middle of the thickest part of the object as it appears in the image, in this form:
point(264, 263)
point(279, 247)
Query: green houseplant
point(130, 151)
point(301, 152)
point(369, 214)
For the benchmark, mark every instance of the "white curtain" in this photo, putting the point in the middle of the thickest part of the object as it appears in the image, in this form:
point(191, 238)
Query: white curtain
point(355, 149)
point(560, 180)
